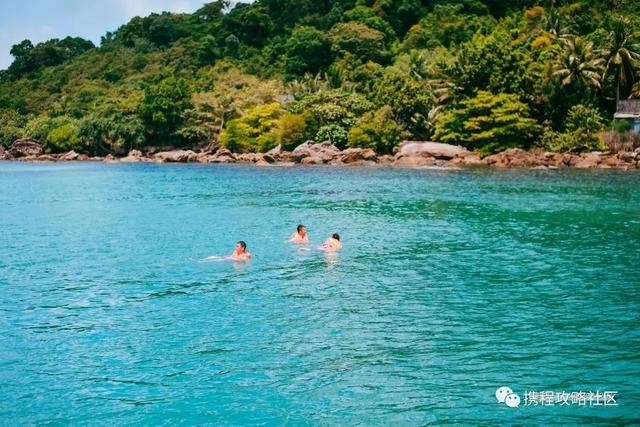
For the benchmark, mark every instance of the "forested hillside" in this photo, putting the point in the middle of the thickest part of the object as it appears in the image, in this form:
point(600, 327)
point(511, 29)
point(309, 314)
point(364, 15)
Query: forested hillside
point(486, 74)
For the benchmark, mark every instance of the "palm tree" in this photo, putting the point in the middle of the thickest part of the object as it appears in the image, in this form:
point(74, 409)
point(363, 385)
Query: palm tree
point(621, 55)
point(554, 23)
point(577, 64)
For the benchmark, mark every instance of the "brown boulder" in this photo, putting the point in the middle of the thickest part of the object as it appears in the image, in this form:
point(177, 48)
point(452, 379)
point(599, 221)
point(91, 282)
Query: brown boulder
point(68, 156)
point(269, 158)
point(176, 156)
point(324, 150)
point(82, 157)
point(1, 152)
point(25, 147)
point(428, 149)
point(516, 158)
point(414, 161)
point(589, 161)
point(627, 156)
point(352, 155)
point(109, 158)
point(130, 159)
point(274, 153)
point(312, 160)
point(612, 161)
point(46, 158)
point(468, 158)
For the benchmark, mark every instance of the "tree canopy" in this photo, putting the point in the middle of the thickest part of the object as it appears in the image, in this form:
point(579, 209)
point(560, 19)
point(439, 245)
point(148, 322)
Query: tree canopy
point(487, 74)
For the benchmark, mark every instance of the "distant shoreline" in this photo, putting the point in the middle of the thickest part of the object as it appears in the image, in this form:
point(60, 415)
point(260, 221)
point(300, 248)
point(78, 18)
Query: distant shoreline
point(411, 154)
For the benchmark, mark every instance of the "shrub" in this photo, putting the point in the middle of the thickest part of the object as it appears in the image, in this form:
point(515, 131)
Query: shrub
point(488, 122)
point(363, 42)
point(377, 130)
point(255, 131)
point(57, 134)
point(333, 133)
point(11, 126)
point(292, 131)
point(112, 133)
point(582, 128)
point(64, 138)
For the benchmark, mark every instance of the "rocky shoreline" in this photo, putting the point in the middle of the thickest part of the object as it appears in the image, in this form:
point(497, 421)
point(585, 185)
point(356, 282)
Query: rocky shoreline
point(410, 154)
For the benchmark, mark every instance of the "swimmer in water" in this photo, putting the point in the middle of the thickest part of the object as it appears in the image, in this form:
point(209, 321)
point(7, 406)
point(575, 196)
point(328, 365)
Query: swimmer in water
point(240, 253)
point(300, 236)
point(332, 244)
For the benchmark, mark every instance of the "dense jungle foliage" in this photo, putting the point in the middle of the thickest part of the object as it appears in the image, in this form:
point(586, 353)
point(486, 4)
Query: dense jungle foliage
point(486, 74)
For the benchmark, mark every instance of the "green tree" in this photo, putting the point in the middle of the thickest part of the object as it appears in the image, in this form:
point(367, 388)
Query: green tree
point(622, 55)
point(577, 64)
point(409, 99)
point(377, 130)
point(359, 40)
point(488, 122)
point(11, 126)
point(308, 50)
point(163, 106)
point(253, 132)
point(293, 130)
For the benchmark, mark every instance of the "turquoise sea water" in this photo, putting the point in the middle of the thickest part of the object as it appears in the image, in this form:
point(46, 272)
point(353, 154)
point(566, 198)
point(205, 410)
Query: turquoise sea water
point(450, 284)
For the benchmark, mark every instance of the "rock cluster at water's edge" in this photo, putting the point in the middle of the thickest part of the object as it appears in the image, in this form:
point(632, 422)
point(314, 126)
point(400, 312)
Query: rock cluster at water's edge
point(409, 154)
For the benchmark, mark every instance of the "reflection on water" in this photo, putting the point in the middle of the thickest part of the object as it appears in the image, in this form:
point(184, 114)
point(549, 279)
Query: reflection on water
point(331, 259)
point(449, 284)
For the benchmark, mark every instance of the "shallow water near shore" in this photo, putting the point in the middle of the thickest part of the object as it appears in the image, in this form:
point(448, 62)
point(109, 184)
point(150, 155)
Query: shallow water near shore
point(451, 283)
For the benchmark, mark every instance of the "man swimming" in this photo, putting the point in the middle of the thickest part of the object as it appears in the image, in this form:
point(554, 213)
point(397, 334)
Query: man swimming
point(300, 236)
point(332, 244)
point(240, 253)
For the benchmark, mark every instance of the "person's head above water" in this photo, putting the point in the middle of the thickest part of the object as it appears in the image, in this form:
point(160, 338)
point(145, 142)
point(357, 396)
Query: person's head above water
point(301, 229)
point(241, 245)
point(335, 236)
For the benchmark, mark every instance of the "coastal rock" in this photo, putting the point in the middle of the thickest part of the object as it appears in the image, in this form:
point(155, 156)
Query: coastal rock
point(243, 157)
point(262, 162)
point(25, 147)
point(627, 156)
point(2, 152)
point(109, 159)
point(611, 161)
point(312, 160)
point(211, 147)
point(516, 158)
point(46, 158)
point(274, 153)
point(150, 150)
point(269, 158)
point(202, 157)
point(414, 161)
point(353, 155)
point(467, 158)
point(385, 159)
point(589, 161)
point(428, 149)
point(324, 150)
point(82, 157)
point(131, 159)
point(176, 156)
point(68, 156)
point(223, 155)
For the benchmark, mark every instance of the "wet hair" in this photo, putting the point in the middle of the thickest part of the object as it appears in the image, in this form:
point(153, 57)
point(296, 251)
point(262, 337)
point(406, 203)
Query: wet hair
point(300, 227)
point(336, 236)
point(243, 244)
